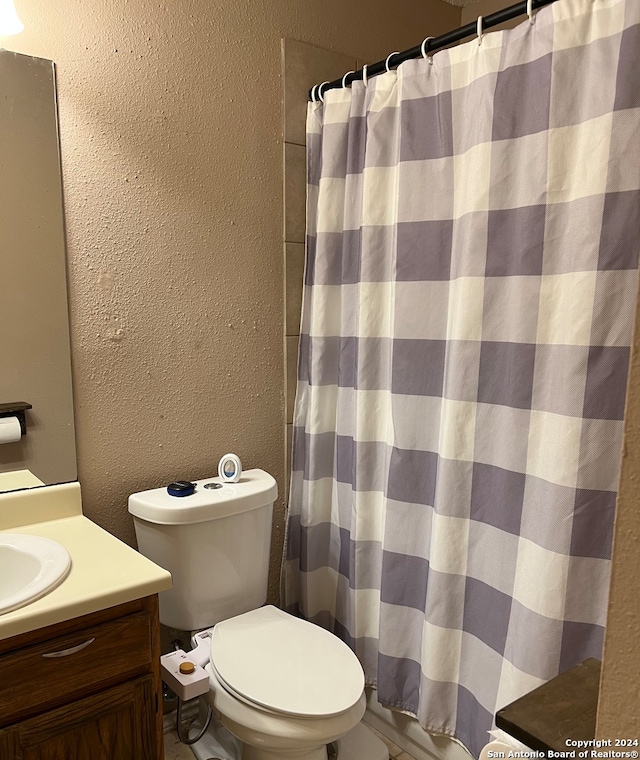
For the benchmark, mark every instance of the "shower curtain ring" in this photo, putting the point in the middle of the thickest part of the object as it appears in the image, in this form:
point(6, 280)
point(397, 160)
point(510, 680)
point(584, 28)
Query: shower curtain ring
point(389, 57)
point(423, 50)
point(344, 83)
point(320, 95)
point(532, 19)
point(364, 75)
point(313, 93)
point(479, 30)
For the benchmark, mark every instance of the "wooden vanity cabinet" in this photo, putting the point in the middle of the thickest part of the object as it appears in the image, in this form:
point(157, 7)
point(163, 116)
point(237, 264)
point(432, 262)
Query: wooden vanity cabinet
point(85, 689)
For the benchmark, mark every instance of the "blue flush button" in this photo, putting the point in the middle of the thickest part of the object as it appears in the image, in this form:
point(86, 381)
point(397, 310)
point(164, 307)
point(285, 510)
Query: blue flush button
point(181, 488)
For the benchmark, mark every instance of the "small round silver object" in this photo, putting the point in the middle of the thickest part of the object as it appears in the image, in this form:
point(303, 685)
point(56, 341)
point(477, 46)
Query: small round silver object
point(213, 485)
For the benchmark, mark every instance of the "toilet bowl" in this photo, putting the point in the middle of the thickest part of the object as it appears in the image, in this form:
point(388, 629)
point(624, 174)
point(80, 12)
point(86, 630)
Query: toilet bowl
point(283, 686)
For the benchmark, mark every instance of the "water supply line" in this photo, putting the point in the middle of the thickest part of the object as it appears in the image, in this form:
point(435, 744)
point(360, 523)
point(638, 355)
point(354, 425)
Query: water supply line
point(191, 740)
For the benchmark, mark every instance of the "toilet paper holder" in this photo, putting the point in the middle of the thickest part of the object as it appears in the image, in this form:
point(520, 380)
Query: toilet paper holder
point(16, 409)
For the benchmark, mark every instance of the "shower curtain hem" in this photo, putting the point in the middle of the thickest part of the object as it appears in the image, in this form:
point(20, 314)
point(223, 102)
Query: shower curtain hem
point(401, 708)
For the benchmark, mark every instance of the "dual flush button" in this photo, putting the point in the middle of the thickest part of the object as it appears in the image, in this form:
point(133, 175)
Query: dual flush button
point(229, 471)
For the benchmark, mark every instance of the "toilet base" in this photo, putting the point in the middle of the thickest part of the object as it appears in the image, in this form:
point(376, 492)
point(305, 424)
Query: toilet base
point(217, 741)
point(253, 753)
point(358, 744)
point(220, 743)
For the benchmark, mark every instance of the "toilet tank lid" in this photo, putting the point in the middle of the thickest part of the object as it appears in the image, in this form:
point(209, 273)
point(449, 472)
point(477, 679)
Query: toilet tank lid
point(256, 488)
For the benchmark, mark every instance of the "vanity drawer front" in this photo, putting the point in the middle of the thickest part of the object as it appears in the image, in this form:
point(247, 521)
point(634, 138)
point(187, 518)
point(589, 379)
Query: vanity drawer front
point(62, 669)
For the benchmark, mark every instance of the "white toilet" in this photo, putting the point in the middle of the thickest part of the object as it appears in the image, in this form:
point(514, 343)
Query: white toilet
point(283, 686)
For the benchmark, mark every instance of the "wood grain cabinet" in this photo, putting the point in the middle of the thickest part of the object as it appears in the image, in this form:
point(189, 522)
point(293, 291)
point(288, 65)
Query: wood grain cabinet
point(85, 689)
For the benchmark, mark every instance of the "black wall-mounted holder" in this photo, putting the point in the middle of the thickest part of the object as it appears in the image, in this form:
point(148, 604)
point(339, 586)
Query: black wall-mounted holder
point(16, 409)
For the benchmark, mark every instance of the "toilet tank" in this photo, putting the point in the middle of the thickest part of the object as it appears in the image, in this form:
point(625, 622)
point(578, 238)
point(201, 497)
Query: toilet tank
point(215, 543)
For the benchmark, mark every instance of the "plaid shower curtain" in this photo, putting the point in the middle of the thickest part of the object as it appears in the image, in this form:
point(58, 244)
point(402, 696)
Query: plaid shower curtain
point(472, 250)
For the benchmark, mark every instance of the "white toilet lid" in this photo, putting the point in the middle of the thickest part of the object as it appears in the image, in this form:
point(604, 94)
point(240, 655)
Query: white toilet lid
point(285, 664)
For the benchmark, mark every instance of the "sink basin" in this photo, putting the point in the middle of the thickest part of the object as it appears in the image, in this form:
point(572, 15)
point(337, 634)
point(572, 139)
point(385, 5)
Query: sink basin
point(30, 567)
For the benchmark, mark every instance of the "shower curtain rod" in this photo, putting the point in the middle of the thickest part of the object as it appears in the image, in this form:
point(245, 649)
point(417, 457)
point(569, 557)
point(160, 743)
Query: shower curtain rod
point(435, 43)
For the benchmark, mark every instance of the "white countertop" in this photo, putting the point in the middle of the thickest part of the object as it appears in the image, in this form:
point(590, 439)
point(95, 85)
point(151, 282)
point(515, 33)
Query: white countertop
point(104, 570)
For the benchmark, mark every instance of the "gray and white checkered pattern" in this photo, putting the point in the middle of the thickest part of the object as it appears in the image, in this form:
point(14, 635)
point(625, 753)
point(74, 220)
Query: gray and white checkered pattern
point(472, 253)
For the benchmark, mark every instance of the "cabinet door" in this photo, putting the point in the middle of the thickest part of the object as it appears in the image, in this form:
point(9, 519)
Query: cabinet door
point(117, 724)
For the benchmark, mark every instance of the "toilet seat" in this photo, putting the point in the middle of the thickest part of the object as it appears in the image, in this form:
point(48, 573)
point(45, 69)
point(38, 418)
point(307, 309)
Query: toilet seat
point(281, 664)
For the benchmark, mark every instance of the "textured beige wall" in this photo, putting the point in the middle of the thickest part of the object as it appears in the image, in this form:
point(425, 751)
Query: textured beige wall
point(482, 8)
point(619, 702)
point(485, 8)
point(171, 142)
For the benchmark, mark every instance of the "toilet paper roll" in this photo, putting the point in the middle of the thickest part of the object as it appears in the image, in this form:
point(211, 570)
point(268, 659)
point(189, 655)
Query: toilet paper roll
point(10, 430)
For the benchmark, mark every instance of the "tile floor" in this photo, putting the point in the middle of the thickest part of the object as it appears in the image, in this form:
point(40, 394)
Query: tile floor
point(395, 752)
point(175, 750)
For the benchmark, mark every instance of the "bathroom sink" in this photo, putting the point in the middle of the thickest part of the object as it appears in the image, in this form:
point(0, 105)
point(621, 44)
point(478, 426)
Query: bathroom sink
point(30, 567)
